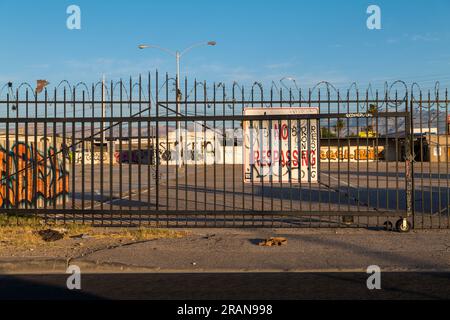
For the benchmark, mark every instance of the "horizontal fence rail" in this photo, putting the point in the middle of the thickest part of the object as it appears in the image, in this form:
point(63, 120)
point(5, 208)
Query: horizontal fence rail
point(147, 153)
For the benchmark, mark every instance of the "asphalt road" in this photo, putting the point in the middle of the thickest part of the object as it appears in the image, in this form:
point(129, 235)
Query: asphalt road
point(376, 191)
point(229, 264)
point(224, 286)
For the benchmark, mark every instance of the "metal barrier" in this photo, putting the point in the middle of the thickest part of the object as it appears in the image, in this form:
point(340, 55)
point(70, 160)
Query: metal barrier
point(143, 154)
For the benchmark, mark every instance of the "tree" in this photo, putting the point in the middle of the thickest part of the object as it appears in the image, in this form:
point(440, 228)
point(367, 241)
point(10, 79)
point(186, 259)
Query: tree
point(373, 110)
point(326, 133)
point(339, 126)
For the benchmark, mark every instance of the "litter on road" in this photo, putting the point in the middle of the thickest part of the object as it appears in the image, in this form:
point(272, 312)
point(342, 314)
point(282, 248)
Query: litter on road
point(274, 241)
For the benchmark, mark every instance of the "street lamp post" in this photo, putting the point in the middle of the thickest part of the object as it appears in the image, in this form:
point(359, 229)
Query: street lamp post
point(178, 56)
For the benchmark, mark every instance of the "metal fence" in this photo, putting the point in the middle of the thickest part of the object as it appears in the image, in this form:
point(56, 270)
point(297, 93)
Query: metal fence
point(143, 153)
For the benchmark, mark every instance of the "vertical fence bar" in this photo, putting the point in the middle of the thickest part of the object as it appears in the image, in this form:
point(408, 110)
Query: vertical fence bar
point(35, 155)
point(447, 154)
point(150, 146)
point(111, 150)
point(139, 151)
point(102, 141)
point(46, 187)
point(178, 143)
point(338, 125)
point(280, 150)
point(196, 152)
point(83, 146)
point(243, 155)
point(63, 150)
point(387, 101)
point(54, 155)
point(349, 191)
point(308, 157)
point(430, 147)
point(377, 160)
point(438, 153)
point(16, 160)
point(224, 140)
point(25, 189)
point(215, 155)
point(236, 144)
point(92, 151)
point(7, 179)
point(205, 98)
point(412, 158)
point(169, 153)
point(319, 186)
point(157, 157)
point(368, 132)
point(121, 196)
point(252, 152)
point(185, 148)
point(397, 177)
point(260, 161)
point(130, 142)
point(271, 147)
point(328, 154)
point(409, 151)
point(288, 163)
point(358, 160)
point(72, 152)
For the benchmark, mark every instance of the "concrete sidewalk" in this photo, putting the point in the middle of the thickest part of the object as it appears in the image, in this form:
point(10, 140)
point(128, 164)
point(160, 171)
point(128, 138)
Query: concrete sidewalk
point(237, 250)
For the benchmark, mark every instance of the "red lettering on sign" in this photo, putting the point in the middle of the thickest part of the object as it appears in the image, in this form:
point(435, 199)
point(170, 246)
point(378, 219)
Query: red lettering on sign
point(284, 131)
point(256, 157)
point(313, 157)
point(304, 159)
point(295, 158)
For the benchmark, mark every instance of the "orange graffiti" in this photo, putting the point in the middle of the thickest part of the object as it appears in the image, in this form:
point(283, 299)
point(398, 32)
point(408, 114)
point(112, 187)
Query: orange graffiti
point(356, 154)
point(25, 179)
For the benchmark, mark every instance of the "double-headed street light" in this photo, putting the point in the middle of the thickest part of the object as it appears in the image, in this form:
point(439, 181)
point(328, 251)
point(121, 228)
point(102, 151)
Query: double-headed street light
point(178, 56)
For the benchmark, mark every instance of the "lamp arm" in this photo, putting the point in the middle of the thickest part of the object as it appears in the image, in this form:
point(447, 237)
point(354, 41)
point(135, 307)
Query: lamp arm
point(163, 49)
point(192, 47)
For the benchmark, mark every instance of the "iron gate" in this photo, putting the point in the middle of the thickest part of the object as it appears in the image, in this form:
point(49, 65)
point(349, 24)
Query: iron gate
point(142, 153)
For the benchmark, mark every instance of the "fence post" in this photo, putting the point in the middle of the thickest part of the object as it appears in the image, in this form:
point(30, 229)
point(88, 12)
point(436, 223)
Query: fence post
point(409, 159)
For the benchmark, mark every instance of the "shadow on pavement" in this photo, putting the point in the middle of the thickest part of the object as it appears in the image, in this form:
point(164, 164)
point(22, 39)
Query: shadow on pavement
point(230, 286)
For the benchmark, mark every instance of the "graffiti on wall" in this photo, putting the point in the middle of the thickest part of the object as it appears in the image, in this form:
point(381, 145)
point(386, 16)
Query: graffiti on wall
point(362, 153)
point(34, 176)
point(89, 157)
point(193, 151)
point(134, 156)
point(199, 150)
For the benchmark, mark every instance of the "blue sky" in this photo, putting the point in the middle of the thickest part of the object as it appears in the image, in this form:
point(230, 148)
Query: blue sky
point(256, 40)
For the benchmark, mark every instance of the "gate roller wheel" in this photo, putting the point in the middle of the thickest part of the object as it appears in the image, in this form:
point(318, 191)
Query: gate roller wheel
point(403, 226)
point(388, 226)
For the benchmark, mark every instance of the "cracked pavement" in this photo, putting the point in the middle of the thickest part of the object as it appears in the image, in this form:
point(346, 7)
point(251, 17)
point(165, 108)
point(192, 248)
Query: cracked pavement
point(237, 250)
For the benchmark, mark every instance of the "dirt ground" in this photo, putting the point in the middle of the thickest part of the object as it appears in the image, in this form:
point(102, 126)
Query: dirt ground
point(29, 239)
